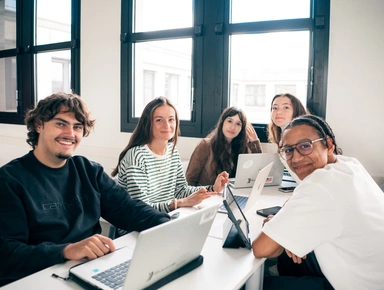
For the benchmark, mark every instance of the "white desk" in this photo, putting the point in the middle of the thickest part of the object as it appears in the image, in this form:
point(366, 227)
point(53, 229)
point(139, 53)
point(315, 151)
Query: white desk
point(222, 268)
point(270, 197)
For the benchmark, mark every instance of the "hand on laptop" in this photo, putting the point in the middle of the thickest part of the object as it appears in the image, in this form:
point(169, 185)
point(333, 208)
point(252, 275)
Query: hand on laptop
point(195, 198)
point(90, 248)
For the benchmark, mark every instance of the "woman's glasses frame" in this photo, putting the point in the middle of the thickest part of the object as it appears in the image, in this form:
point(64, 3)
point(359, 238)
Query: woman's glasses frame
point(304, 148)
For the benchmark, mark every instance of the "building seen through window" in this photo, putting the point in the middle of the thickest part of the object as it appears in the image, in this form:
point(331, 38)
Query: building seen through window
point(239, 53)
point(38, 61)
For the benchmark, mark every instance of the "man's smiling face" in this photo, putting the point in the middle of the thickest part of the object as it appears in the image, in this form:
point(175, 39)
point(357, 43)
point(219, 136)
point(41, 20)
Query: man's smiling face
point(58, 138)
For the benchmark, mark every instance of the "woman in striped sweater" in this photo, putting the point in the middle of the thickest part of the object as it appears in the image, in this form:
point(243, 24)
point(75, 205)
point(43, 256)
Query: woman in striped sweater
point(150, 168)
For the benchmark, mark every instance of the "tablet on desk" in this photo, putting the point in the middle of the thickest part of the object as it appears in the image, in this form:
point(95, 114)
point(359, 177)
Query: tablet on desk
point(245, 202)
point(235, 233)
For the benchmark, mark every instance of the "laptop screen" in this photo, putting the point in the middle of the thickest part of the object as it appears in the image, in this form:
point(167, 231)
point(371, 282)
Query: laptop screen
point(248, 165)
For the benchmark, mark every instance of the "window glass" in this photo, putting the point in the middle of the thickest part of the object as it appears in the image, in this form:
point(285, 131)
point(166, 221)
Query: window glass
point(152, 15)
point(263, 65)
point(255, 95)
point(7, 24)
point(281, 89)
point(262, 10)
point(53, 73)
point(8, 84)
point(39, 53)
point(163, 68)
point(148, 86)
point(171, 90)
point(53, 21)
point(265, 48)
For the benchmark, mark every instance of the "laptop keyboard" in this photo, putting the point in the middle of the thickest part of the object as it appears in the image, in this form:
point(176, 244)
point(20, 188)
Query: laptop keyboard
point(113, 277)
point(287, 176)
point(241, 200)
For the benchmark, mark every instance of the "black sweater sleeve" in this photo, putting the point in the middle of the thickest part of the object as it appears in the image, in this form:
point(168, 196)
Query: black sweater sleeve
point(18, 259)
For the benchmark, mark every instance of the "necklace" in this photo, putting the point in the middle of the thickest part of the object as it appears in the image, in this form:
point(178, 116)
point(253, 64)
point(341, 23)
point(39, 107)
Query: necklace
point(161, 161)
point(164, 151)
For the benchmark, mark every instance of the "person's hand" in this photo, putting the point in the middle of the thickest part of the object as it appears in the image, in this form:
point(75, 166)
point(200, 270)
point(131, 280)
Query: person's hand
point(295, 258)
point(268, 219)
point(220, 181)
point(251, 133)
point(90, 248)
point(195, 198)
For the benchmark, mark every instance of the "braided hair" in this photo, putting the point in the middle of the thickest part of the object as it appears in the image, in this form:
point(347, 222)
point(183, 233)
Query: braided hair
point(320, 125)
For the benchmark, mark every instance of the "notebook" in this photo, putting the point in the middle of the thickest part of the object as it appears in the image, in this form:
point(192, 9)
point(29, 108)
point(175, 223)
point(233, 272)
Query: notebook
point(159, 253)
point(248, 165)
point(246, 202)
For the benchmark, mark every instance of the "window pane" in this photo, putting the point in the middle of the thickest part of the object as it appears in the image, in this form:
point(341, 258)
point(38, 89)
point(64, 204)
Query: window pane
point(163, 68)
point(7, 24)
point(53, 73)
point(263, 65)
point(53, 21)
point(8, 84)
point(255, 95)
point(148, 86)
point(152, 15)
point(262, 10)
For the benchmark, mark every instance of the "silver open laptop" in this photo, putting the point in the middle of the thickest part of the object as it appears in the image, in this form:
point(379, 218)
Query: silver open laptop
point(159, 252)
point(248, 165)
point(246, 202)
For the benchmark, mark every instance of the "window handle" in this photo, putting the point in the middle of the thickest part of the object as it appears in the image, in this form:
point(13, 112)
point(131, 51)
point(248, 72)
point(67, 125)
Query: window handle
point(219, 28)
point(198, 30)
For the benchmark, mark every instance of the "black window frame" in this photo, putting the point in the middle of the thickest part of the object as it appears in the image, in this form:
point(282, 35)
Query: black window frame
point(26, 51)
point(211, 34)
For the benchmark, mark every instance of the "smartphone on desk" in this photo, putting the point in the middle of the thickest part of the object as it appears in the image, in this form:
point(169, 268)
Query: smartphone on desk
point(265, 212)
point(287, 188)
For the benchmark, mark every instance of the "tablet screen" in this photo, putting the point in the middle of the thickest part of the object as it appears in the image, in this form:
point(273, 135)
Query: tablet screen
point(235, 213)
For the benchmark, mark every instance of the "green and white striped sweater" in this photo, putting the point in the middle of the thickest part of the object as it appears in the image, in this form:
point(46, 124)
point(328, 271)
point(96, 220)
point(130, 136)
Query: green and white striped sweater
point(155, 179)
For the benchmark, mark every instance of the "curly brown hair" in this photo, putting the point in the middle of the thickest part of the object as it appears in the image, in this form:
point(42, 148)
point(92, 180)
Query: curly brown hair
point(46, 109)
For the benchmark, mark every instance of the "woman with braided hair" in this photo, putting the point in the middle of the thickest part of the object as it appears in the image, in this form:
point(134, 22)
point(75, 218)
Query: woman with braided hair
point(332, 226)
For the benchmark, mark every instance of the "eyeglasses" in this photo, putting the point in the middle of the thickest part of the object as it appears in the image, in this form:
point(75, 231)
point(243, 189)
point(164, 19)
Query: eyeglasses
point(304, 148)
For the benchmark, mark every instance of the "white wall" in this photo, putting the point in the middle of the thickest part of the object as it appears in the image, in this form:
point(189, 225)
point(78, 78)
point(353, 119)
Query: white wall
point(354, 109)
point(355, 106)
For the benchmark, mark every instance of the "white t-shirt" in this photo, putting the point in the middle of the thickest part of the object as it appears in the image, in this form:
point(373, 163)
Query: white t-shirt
point(337, 211)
